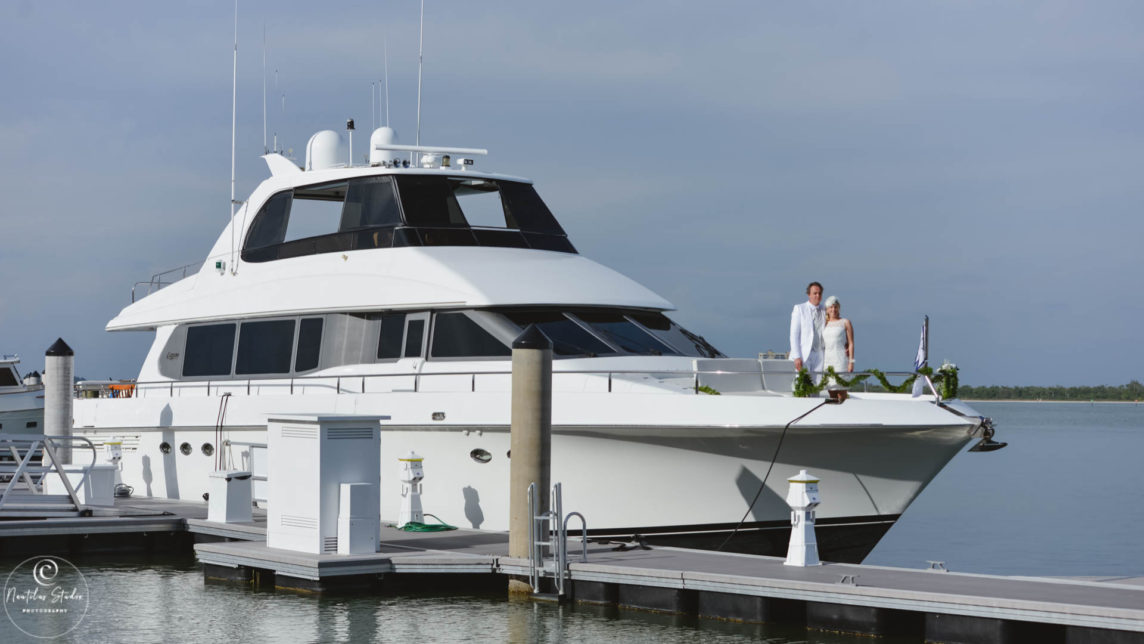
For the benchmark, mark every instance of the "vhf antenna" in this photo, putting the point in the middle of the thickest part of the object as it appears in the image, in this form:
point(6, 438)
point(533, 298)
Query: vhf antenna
point(385, 49)
point(233, 125)
point(420, 64)
point(265, 150)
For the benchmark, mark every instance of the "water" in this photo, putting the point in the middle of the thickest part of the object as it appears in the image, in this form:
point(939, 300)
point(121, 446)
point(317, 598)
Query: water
point(1061, 500)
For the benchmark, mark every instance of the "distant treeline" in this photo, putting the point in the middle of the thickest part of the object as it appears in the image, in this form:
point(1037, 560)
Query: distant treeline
point(1131, 391)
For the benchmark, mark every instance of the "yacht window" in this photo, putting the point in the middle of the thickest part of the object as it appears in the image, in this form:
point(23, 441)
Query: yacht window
point(457, 336)
point(8, 378)
point(429, 201)
point(568, 338)
point(524, 207)
point(265, 347)
point(315, 211)
point(392, 332)
point(618, 330)
point(309, 344)
point(269, 227)
point(480, 201)
point(370, 203)
point(413, 338)
point(209, 350)
point(675, 335)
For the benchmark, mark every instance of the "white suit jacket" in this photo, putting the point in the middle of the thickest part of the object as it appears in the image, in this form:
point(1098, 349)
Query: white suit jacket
point(802, 330)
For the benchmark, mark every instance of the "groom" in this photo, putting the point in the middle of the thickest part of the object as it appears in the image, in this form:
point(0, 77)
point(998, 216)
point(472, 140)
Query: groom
point(806, 320)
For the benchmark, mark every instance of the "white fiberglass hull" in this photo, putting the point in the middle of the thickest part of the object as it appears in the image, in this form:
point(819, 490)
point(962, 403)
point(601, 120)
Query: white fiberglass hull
point(687, 466)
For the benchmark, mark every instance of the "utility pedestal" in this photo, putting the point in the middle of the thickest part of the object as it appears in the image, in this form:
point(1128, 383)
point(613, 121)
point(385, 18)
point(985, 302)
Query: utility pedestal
point(230, 497)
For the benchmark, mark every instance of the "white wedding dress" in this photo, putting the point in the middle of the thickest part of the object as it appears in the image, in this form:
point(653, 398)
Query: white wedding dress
point(834, 339)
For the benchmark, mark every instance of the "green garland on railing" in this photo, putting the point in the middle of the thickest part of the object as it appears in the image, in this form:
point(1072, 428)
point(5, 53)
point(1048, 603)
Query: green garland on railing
point(945, 380)
point(906, 385)
point(804, 386)
point(704, 389)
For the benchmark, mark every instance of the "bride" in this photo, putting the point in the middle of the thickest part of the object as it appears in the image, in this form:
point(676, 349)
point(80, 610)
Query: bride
point(838, 335)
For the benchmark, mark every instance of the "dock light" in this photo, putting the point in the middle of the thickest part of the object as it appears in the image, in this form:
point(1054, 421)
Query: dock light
point(802, 497)
point(411, 475)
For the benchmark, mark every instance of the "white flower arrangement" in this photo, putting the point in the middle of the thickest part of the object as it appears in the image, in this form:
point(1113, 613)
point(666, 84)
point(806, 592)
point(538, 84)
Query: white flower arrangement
point(947, 367)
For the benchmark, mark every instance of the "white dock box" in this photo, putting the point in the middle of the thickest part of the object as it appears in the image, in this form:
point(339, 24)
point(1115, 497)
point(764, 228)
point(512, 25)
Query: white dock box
point(98, 485)
point(309, 458)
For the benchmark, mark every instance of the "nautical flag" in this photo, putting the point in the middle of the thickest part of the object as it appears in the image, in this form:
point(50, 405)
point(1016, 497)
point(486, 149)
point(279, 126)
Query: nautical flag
point(921, 358)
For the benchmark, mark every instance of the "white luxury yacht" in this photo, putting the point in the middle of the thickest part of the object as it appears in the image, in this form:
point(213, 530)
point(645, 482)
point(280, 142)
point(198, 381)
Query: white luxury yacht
point(21, 399)
point(396, 289)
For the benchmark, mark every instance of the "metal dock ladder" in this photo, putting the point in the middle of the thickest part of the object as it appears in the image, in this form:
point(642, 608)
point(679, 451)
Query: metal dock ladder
point(26, 460)
point(548, 543)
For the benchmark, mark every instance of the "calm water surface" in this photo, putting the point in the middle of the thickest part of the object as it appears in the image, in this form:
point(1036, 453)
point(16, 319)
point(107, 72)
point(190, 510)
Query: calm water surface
point(1062, 500)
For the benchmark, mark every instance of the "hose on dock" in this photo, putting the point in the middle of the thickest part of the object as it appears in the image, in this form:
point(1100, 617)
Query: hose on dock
point(440, 526)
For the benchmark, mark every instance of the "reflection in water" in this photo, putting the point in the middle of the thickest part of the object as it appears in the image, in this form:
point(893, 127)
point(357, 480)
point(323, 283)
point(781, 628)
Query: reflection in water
point(154, 599)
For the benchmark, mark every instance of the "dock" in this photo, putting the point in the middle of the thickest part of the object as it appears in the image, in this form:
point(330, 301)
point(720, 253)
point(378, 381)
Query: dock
point(930, 604)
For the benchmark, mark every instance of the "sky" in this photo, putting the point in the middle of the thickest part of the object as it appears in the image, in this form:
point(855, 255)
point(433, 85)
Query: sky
point(976, 162)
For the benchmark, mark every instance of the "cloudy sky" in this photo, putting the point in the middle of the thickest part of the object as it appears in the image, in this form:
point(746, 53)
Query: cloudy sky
point(979, 162)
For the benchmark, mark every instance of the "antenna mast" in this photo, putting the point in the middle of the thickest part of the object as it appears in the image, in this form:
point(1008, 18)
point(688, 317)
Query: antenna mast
point(385, 48)
point(233, 125)
point(420, 53)
point(265, 150)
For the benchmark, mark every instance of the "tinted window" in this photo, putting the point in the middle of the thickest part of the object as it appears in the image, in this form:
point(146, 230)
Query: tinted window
point(429, 201)
point(309, 344)
point(265, 347)
point(392, 331)
point(523, 206)
point(457, 336)
point(315, 211)
point(413, 338)
point(618, 330)
point(7, 378)
point(568, 338)
point(269, 227)
point(677, 336)
point(209, 350)
point(481, 204)
point(370, 203)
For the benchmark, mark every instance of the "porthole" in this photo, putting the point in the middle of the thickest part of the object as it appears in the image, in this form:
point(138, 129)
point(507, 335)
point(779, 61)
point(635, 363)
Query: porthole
point(508, 454)
point(208, 449)
point(186, 449)
point(480, 455)
point(165, 447)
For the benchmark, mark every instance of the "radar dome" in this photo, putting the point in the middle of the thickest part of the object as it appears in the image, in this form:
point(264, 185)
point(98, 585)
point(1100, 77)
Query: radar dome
point(326, 150)
point(382, 136)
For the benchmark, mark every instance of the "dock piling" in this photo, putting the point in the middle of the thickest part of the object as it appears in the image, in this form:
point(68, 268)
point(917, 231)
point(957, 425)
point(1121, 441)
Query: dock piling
point(531, 439)
point(59, 383)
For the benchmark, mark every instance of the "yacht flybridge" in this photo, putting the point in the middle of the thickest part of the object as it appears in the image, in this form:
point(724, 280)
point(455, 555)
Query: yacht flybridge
point(396, 289)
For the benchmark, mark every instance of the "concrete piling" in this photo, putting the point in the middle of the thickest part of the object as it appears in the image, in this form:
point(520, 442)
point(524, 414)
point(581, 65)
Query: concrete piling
point(59, 384)
point(531, 439)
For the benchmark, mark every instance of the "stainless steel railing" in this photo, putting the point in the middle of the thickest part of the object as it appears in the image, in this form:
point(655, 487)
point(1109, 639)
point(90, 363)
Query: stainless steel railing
point(161, 280)
point(688, 379)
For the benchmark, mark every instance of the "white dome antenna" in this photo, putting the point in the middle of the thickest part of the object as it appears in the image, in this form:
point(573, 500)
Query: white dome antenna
point(325, 150)
point(379, 141)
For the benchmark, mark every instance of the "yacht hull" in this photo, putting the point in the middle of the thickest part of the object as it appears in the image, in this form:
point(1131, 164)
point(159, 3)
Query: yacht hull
point(670, 478)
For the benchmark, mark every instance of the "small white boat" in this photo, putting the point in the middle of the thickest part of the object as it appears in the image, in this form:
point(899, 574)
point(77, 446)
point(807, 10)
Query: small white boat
point(21, 399)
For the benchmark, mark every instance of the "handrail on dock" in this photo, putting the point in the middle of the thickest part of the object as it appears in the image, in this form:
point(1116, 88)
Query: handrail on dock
point(19, 451)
